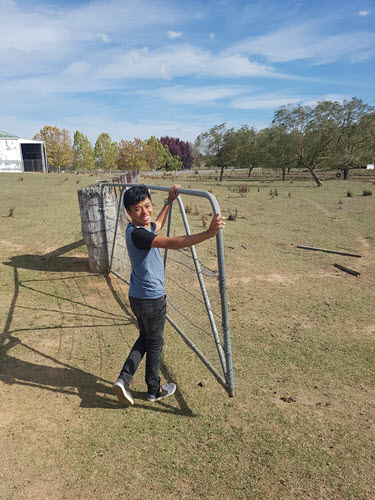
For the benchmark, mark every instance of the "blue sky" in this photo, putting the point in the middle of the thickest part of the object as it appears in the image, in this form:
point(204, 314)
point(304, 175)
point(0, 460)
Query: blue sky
point(148, 67)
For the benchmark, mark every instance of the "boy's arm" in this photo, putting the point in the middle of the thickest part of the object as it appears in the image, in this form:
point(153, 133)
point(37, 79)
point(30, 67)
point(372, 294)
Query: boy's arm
point(162, 217)
point(189, 240)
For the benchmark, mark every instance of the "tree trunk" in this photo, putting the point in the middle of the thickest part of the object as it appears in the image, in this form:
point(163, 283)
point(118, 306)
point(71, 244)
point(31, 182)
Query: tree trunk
point(283, 170)
point(315, 177)
point(346, 173)
point(221, 173)
point(250, 170)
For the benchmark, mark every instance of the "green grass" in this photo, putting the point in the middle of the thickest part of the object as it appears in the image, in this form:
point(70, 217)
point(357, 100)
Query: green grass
point(301, 329)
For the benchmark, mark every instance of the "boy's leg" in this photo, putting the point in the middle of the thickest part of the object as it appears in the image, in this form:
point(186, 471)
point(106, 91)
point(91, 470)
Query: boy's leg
point(154, 326)
point(139, 348)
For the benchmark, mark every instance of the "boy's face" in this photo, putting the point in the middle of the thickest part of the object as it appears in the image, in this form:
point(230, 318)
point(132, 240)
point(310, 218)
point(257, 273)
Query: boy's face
point(141, 213)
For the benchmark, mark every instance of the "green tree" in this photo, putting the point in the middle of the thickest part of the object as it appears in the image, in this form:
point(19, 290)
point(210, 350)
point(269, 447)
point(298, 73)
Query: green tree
point(58, 146)
point(132, 155)
point(328, 135)
point(310, 138)
point(156, 154)
point(83, 158)
point(219, 145)
point(276, 149)
point(106, 152)
point(351, 122)
point(173, 163)
point(198, 159)
point(247, 149)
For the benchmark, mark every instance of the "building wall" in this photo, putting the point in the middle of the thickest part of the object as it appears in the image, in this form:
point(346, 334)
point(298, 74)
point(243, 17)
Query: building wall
point(10, 156)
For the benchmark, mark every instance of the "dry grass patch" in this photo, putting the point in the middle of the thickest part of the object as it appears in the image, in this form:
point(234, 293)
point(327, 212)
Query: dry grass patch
point(299, 331)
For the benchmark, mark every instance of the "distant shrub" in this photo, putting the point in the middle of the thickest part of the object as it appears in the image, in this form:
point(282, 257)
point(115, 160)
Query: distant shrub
point(243, 189)
point(196, 210)
point(289, 195)
point(188, 209)
point(20, 179)
point(204, 219)
point(349, 194)
point(367, 192)
point(276, 192)
point(233, 216)
point(11, 211)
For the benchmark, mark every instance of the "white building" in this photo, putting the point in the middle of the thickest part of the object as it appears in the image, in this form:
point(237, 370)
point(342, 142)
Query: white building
point(22, 155)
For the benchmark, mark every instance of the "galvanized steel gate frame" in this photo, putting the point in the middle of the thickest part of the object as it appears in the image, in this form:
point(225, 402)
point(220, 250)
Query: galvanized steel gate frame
point(225, 354)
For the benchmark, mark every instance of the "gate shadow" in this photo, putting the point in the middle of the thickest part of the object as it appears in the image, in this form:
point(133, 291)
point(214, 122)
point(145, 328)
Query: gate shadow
point(93, 391)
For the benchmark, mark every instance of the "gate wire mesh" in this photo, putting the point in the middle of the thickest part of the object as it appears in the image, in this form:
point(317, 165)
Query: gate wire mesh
point(186, 304)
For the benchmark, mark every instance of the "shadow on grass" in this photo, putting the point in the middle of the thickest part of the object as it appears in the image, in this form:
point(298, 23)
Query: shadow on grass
point(94, 391)
point(52, 261)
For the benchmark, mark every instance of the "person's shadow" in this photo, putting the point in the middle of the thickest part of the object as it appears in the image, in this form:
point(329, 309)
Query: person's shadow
point(93, 391)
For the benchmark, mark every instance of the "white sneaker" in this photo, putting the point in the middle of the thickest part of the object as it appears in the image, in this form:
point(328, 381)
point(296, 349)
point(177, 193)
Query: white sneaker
point(123, 394)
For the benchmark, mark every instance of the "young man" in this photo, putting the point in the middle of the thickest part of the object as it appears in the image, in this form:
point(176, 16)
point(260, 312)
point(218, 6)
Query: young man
point(146, 292)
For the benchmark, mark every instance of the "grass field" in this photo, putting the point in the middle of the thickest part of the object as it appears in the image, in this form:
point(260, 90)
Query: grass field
point(302, 423)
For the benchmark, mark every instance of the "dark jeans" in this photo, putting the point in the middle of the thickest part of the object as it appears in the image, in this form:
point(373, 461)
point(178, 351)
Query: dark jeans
point(150, 314)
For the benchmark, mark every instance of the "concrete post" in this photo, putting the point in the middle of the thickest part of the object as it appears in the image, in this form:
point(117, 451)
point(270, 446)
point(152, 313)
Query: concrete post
point(98, 226)
point(93, 229)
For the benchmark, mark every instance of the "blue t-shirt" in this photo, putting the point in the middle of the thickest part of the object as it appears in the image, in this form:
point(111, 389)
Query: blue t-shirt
point(147, 275)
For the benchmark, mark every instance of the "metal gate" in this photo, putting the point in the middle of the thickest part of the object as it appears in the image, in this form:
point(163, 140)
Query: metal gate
point(180, 316)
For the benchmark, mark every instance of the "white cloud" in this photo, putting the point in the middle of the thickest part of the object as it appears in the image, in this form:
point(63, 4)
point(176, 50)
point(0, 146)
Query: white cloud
point(93, 125)
point(306, 42)
point(77, 69)
point(211, 36)
point(105, 38)
point(275, 100)
point(174, 34)
point(182, 60)
point(180, 94)
point(55, 32)
point(363, 12)
point(263, 102)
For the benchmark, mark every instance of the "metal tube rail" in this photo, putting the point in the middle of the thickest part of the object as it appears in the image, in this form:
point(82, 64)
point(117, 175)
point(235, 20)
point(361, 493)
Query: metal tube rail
point(168, 234)
point(207, 364)
point(203, 290)
point(120, 201)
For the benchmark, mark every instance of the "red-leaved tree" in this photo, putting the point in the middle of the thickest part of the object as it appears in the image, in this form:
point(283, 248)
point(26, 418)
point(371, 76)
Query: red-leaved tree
point(179, 148)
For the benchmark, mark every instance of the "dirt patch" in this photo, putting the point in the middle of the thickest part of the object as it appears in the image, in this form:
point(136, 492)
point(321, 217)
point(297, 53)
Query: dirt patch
point(370, 330)
point(9, 245)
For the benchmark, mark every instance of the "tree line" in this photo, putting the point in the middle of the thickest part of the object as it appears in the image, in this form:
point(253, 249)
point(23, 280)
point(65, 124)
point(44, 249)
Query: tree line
point(327, 135)
point(107, 155)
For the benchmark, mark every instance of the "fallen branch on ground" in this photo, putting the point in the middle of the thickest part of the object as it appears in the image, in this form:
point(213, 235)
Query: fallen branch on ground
point(347, 270)
point(329, 251)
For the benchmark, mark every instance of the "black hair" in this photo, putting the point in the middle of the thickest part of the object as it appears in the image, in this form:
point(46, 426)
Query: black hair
point(135, 195)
